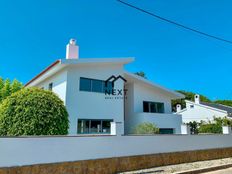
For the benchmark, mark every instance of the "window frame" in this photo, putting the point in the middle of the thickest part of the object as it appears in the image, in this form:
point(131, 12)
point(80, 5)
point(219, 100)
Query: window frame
point(155, 109)
point(103, 88)
point(90, 126)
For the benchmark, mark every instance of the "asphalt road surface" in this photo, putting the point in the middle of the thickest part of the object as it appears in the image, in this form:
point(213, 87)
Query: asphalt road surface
point(224, 171)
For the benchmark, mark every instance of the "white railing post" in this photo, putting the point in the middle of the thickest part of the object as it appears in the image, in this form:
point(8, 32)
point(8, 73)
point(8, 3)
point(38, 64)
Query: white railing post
point(185, 129)
point(116, 128)
point(226, 129)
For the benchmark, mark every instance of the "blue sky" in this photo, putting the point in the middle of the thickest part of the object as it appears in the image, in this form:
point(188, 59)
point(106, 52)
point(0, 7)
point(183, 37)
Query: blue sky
point(33, 34)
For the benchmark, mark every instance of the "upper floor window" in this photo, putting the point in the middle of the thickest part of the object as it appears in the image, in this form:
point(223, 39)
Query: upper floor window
point(50, 86)
point(85, 84)
point(94, 85)
point(153, 107)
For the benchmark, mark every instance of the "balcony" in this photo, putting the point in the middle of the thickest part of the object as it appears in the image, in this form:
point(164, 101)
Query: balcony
point(161, 120)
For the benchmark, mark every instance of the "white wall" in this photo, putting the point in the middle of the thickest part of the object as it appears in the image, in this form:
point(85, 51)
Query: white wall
point(146, 93)
point(59, 81)
point(92, 105)
point(198, 113)
point(137, 93)
point(173, 121)
point(26, 151)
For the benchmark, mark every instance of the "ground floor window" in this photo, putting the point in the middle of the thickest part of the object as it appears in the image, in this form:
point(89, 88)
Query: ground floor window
point(93, 126)
point(166, 131)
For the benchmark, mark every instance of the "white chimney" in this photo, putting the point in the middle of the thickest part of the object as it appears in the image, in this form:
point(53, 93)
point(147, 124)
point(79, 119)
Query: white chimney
point(197, 99)
point(178, 108)
point(72, 50)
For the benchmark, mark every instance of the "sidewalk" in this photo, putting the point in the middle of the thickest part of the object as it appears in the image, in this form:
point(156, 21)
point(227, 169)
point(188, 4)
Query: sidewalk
point(184, 167)
point(225, 171)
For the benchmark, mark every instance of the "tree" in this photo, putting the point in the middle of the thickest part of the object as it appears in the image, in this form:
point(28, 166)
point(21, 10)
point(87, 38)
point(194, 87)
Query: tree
point(1, 86)
point(15, 86)
point(7, 88)
point(224, 102)
point(5, 92)
point(141, 74)
point(33, 111)
point(146, 128)
point(188, 96)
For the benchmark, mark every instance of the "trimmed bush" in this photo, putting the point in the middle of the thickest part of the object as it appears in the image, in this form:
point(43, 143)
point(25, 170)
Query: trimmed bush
point(214, 126)
point(33, 111)
point(146, 128)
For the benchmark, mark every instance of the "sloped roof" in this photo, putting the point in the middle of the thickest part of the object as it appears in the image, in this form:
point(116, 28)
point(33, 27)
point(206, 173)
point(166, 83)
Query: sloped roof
point(174, 94)
point(61, 63)
point(228, 109)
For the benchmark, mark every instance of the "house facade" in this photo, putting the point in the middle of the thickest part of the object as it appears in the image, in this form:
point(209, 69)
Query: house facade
point(202, 111)
point(97, 92)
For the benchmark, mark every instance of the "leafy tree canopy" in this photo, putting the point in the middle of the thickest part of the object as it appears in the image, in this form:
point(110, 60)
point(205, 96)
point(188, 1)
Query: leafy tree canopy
point(33, 111)
point(188, 96)
point(224, 102)
point(7, 87)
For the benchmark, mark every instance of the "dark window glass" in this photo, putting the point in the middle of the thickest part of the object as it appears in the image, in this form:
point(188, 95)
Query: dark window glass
point(86, 126)
point(108, 87)
point(153, 107)
point(50, 86)
point(106, 126)
point(160, 107)
point(95, 126)
point(83, 126)
point(145, 106)
point(85, 84)
point(97, 85)
point(166, 131)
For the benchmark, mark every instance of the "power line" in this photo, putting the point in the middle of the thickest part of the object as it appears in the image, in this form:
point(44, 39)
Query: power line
point(175, 23)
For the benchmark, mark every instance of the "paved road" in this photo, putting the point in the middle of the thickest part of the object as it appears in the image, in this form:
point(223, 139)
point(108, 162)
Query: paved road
point(225, 171)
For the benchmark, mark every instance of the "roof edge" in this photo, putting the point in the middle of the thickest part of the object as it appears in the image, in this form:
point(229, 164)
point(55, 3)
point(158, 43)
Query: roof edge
point(206, 106)
point(43, 72)
point(177, 94)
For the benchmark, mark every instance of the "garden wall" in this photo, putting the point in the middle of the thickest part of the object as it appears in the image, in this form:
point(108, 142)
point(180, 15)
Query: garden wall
point(111, 153)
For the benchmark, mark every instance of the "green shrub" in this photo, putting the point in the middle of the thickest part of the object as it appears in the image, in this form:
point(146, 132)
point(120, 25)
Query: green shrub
point(146, 128)
point(210, 128)
point(194, 127)
point(33, 111)
point(214, 126)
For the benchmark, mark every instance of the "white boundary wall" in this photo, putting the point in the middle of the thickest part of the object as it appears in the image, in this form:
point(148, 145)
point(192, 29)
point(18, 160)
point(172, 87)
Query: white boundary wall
point(38, 150)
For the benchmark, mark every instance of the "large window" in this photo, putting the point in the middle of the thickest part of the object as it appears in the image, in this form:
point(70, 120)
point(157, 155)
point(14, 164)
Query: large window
point(153, 107)
point(86, 126)
point(94, 85)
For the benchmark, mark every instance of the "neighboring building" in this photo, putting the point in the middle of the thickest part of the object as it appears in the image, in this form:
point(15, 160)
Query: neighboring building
point(93, 103)
point(197, 110)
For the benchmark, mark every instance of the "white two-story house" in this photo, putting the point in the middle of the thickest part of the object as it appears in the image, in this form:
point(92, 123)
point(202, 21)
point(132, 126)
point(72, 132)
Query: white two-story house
point(98, 91)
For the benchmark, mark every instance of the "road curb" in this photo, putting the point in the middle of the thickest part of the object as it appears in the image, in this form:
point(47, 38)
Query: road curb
point(203, 170)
